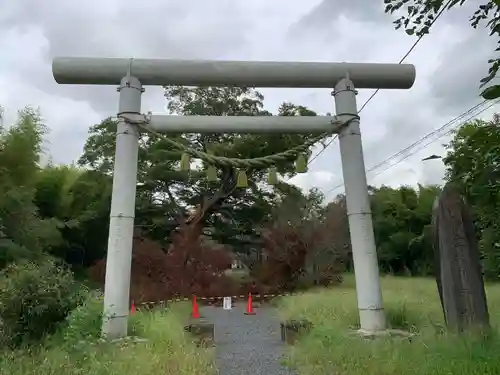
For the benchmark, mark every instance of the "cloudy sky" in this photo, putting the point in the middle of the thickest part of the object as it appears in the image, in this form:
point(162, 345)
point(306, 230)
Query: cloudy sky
point(450, 61)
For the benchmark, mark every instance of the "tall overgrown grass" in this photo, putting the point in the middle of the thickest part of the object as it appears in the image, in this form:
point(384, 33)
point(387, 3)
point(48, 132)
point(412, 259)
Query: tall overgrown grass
point(412, 305)
point(75, 348)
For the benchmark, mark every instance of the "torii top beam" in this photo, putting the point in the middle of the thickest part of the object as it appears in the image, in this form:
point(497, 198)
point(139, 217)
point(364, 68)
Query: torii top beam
point(109, 71)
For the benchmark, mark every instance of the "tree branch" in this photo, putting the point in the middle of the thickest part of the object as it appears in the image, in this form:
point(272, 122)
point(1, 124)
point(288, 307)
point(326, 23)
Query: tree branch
point(209, 205)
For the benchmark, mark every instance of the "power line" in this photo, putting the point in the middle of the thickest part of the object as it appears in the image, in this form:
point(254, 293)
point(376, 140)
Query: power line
point(377, 90)
point(324, 148)
point(427, 136)
point(413, 145)
point(439, 137)
point(449, 127)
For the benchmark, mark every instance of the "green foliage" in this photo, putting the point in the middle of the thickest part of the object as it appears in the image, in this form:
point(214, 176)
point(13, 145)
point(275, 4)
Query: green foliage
point(79, 200)
point(167, 194)
point(53, 194)
point(60, 210)
point(23, 235)
point(292, 204)
point(84, 322)
point(491, 92)
point(472, 163)
point(34, 298)
point(21, 145)
point(401, 219)
point(421, 14)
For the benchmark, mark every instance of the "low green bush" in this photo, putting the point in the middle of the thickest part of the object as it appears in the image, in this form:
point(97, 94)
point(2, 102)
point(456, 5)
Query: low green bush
point(83, 323)
point(35, 297)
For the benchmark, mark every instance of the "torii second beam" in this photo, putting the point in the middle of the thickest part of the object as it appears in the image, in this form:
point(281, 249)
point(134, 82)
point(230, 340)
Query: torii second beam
point(240, 124)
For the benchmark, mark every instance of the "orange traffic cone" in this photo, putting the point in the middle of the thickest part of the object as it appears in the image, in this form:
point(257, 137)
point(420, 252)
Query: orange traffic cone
point(132, 308)
point(249, 310)
point(196, 312)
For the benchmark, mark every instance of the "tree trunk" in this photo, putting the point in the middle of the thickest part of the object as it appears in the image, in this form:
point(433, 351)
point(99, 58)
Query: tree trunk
point(191, 229)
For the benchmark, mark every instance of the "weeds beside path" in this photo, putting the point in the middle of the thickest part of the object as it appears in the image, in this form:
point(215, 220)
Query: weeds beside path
point(411, 304)
point(168, 350)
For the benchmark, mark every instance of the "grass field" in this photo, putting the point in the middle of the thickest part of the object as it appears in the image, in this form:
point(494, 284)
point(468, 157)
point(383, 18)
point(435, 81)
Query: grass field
point(167, 351)
point(411, 304)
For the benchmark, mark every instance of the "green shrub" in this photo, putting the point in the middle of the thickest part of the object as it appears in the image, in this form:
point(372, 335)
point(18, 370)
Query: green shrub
point(84, 322)
point(34, 298)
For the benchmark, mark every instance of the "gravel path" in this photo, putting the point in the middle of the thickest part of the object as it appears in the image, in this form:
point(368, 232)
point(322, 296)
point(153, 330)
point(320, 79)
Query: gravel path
point(247, 345)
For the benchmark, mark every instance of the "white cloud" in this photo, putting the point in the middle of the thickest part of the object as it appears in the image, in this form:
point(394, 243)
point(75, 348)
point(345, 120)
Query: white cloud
point(319, 179)
point(449, 63)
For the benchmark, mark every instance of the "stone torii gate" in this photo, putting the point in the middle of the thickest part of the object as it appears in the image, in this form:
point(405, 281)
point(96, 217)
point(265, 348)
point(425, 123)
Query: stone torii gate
point(132, 74)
